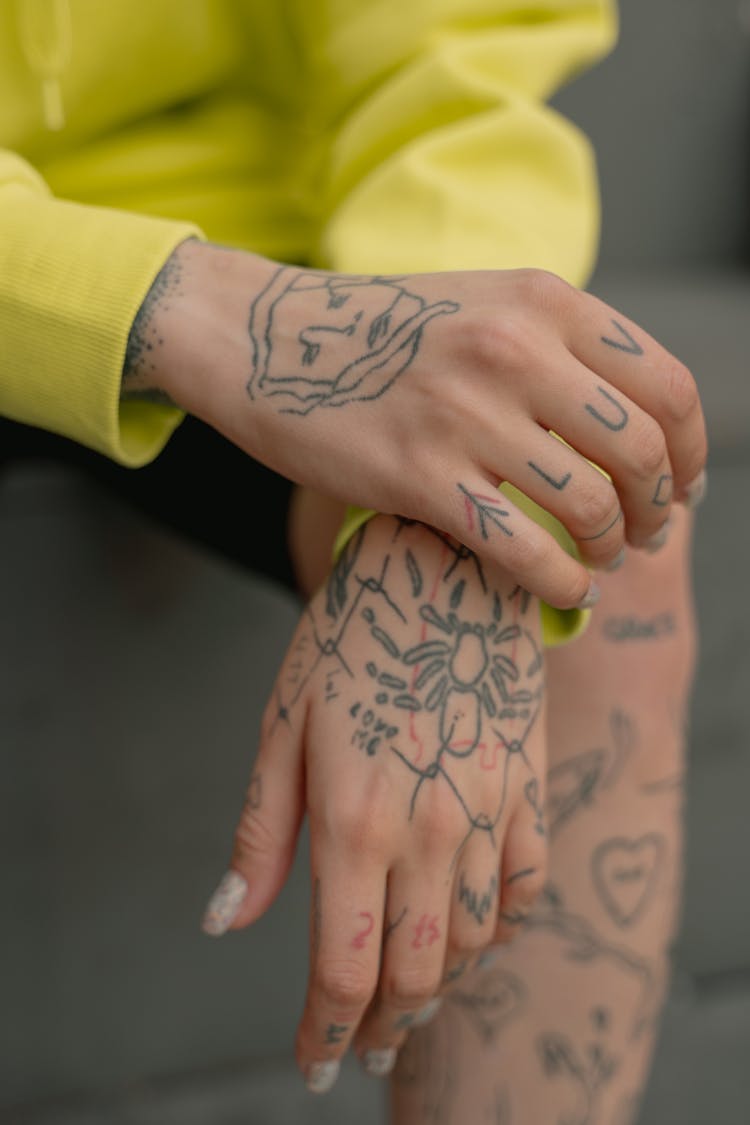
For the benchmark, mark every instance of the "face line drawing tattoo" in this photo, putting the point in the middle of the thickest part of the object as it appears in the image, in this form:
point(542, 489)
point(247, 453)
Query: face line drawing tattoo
point(621, 412)
point(558, 484)
point(486, 509)
point(625, 873)
point(375, 323)
point(631, 346)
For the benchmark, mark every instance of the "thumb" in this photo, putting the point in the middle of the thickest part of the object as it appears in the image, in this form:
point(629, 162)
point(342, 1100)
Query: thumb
point(266, 836)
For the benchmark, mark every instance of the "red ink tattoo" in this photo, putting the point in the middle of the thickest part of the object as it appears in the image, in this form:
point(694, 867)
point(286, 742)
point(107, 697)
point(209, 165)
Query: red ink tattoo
point(359, 939)
point(426, 931)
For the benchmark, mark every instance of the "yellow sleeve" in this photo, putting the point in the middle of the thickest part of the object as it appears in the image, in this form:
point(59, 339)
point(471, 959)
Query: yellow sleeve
point(72, 279)
point(443, 154)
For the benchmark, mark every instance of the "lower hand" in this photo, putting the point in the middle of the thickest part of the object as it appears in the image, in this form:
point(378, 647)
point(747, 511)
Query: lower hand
point(408, 718)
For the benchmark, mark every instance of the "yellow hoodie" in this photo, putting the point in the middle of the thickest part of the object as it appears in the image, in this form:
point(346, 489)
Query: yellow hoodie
point(359, 135)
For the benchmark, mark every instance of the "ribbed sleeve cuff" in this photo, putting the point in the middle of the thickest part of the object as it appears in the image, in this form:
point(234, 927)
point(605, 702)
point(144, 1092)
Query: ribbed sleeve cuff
point(72, 279)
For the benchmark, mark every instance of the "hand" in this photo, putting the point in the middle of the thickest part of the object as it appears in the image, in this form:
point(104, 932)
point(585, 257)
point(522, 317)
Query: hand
point(408, 717)
point(417, 395)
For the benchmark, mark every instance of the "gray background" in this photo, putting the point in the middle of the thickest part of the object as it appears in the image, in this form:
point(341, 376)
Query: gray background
point(122, 765)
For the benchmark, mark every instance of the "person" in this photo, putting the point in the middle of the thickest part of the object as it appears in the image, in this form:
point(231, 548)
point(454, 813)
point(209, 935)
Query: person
point(381, 156)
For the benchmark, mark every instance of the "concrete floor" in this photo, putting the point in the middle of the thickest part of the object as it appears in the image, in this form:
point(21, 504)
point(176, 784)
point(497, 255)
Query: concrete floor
point(122, 766)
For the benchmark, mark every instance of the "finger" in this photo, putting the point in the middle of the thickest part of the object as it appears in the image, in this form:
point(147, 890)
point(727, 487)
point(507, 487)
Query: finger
point(626, 357)
point(609, 429)
point(266, 835)
point(564, 483)
point(471, 509)
point(346, 934)
point(413, 959)
point(474, 908)
point(523, 870)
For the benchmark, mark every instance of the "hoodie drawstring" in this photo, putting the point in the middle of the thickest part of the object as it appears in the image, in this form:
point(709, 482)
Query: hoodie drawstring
point(45, 34)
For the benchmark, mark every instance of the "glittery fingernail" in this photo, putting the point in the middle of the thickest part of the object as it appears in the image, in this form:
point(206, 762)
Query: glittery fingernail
point(224, 904)
point(695, 492)
point(426, 1014)
point(489, 957)
point(657, 541)
point(616, 562)
point(591, 598)
point(379, 1061)
point(321, 1076)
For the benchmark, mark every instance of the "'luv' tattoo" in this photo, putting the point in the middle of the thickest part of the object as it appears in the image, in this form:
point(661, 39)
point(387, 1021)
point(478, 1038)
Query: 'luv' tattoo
point(346, 339)
point(620, 419)
point(626, 344)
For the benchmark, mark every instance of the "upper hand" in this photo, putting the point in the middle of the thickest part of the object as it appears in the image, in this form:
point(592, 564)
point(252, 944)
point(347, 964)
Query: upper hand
point(417, 395)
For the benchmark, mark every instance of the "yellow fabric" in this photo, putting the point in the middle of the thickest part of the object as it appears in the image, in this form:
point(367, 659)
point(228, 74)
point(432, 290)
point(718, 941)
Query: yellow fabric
point(558, 625)
point(358, 135)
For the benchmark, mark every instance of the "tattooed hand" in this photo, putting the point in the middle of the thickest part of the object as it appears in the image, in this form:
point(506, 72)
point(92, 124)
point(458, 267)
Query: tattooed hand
point(417, 395)
point(411, 702)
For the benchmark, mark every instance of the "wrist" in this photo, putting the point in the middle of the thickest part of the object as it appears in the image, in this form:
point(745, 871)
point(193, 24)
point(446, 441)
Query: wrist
point(205, 352)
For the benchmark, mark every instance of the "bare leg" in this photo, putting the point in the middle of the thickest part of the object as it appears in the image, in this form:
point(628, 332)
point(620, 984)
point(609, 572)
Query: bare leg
point(560, 1028)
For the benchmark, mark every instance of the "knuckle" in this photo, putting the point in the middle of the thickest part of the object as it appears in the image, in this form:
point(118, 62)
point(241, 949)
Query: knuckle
point(598, 507)
point(411, 988)
point(440, 825)
point(650, 448)
point(542, 288)
point(253, 836)
point(526, 891)
point(498, 342)
point(469, 942)
point(681, 397)
point(344, 984)
point(358, 829)
point(530, 552)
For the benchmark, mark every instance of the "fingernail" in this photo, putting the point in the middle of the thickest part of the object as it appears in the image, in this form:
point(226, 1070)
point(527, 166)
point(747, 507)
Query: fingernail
point(695, 492)
point(591, 598)
point(321, 1076)
point(428, 1012)
point(224, 904)
point(616, 562)
point(489, 957)
point(379, 1062)
point(656, 542)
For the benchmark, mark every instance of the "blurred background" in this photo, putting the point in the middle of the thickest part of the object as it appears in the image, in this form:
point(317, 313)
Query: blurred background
point(122, 766)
